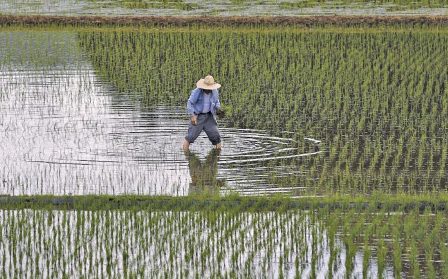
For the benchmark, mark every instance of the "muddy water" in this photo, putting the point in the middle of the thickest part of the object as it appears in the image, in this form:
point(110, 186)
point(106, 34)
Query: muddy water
point(65, 131)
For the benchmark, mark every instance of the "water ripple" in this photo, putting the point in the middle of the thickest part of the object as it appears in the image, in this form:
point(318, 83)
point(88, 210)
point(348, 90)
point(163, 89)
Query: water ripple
point(67, 132)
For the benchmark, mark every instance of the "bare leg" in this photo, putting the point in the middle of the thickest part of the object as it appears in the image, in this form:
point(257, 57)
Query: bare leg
point(218, 146)
point(185, 145)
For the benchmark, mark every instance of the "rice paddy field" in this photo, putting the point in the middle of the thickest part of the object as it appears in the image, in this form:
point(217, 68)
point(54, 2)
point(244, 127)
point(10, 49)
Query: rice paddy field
point(334, 162)
point(224, 238)
point(225, 7)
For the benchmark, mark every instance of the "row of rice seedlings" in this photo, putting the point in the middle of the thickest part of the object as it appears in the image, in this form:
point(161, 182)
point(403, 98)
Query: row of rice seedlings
point(377, 99)
point(410, 244)
point(164, 4)
point(404, 4)
point(296, 244)
point(405, 156)
point(167, 244)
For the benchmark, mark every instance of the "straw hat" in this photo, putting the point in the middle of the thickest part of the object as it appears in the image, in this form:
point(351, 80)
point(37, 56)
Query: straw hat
point(208, 83)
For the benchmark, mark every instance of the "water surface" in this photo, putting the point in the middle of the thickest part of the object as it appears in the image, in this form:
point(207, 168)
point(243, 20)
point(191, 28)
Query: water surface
point(66, 131)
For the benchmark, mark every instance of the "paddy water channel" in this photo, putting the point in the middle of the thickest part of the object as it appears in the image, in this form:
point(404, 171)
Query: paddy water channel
point(64, 131)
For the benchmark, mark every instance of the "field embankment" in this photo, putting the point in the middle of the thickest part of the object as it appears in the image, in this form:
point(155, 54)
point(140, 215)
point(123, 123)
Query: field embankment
point(376, 202)
point(224, 20)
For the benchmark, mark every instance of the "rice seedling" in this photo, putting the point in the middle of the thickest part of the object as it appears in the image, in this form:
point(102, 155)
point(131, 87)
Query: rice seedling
point(134, 242)
point(375, 98)
point(38, 86)
point(400, 4)
point(318, 98)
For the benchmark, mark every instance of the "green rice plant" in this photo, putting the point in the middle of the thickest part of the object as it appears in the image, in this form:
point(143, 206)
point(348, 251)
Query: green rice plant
point(444, 257)
point(142, 4)
point(365, 259)
point(115, 248)
point(360, 110)
point(414, 260)
point(397, 254)
point(377, 140)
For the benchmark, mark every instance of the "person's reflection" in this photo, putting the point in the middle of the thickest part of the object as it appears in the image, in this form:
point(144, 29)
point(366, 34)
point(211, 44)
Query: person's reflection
point(203, 174)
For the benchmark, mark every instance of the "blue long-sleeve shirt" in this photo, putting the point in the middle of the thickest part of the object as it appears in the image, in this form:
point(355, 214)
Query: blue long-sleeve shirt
point(195, 103)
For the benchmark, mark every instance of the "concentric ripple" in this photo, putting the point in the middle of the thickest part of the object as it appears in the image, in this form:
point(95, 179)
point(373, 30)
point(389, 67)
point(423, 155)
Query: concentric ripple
point(67, 132)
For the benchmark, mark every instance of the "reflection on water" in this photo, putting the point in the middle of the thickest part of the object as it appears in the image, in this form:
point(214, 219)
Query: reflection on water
point(204, 173)
point(118, 243)
point(65, 131)
point(325, 242)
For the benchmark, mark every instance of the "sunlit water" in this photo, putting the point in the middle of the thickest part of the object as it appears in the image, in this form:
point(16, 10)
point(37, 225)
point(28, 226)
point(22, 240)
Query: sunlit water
point(64, 131)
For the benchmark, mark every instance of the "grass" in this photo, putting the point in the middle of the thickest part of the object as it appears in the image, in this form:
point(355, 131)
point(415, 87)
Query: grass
point(223, 21)
point(400, 202)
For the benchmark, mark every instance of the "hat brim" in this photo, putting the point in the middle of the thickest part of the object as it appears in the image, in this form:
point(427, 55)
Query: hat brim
point(201, 84)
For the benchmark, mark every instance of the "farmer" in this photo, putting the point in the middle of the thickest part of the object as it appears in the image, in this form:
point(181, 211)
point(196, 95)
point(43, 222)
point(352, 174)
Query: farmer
point(203, 105)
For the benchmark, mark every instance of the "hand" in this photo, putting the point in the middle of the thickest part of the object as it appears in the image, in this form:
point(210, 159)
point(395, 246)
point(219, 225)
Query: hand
point(194, 120)
point(220, 112)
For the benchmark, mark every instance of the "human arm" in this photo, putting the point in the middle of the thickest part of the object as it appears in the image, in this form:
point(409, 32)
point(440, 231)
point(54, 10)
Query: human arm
point(192, 101)
point(190, 106)
point(218, 109)
point(217, 102)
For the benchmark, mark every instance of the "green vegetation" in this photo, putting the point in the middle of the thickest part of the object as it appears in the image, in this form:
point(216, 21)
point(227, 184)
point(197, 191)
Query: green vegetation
point(405, 4)
point(208, 21)
point(38, 49)
point(224, 8)
point(149, 4)
point(376, 97)
point(239, 243)
point(183, 5)
point(207, 202)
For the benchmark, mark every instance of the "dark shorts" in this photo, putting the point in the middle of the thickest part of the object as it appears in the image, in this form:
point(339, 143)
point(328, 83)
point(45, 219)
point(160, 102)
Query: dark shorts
point(207, 123)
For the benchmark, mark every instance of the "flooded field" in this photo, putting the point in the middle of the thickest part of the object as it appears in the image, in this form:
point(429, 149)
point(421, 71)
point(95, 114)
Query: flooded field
point(292, 244)
point(103, 111)
point(66, 131)
point(378, 109)
point(309, 112)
